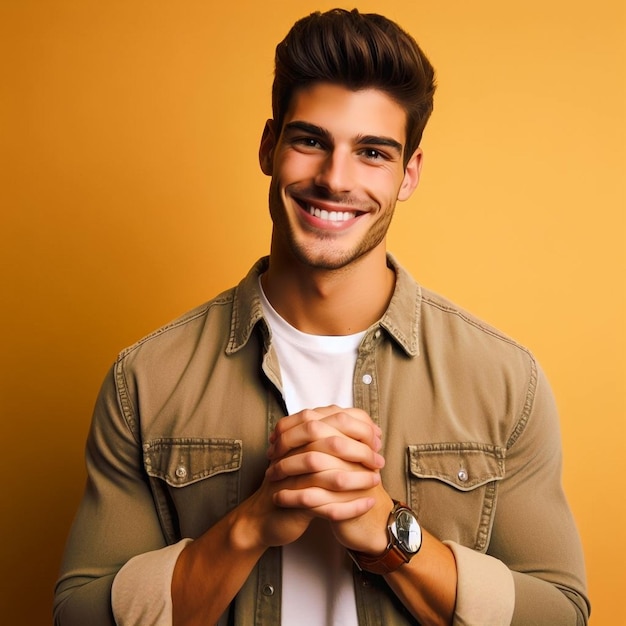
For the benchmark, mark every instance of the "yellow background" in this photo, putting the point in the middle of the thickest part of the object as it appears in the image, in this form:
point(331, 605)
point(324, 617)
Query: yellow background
point(130, 192)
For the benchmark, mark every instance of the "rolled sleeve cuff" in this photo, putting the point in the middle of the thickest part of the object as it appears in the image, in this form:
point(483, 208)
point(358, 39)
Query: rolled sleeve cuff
point(142, 589)
point(485, 589)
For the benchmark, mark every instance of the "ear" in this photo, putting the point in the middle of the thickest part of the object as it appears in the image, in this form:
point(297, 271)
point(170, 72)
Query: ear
point(266, 148)
point(412, 174)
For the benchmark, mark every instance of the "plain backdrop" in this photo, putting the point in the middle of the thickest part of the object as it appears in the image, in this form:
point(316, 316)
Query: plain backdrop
point(130, 192)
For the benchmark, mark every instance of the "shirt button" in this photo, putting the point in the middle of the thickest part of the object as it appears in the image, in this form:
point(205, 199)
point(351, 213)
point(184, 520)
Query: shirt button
point(462, 475)
point(181, 471)
point(367, 379)
point(268, 590)
point(377, 334)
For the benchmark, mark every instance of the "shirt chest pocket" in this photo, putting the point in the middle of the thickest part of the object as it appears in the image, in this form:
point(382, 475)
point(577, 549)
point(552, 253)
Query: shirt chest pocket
point(453, 489)
point(195, 482)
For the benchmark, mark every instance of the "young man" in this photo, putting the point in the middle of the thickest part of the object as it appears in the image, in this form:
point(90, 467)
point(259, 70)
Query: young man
point(327, 443)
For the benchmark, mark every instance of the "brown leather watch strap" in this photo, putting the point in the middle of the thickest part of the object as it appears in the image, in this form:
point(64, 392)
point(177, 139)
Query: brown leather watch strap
point(385, 563)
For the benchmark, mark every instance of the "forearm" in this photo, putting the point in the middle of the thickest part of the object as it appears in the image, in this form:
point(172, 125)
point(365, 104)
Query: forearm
point(212, 569)
point(427, 584)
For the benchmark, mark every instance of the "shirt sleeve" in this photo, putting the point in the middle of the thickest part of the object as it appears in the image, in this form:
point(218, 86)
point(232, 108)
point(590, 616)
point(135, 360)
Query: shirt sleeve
point(116, 519)
point(152, 573)
point(485, 592)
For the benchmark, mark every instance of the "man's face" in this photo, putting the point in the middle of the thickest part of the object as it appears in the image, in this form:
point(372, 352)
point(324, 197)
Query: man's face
point(337, 172)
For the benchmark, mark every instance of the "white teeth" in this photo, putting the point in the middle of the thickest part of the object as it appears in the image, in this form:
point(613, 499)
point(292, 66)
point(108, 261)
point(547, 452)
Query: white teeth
point(332, 216)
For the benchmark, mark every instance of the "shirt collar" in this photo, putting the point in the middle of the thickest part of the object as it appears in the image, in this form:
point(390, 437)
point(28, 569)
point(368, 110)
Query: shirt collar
point(400, 320)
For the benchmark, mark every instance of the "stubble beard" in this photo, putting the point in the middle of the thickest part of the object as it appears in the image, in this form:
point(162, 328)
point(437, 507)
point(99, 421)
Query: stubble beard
point(321, 254)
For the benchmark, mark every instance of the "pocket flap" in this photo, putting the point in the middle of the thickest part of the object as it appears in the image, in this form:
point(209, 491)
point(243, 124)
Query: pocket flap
point(181, 462)
point(464, 466)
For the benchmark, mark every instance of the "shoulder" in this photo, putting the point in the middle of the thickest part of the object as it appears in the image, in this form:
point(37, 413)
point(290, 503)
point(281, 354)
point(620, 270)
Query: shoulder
point(183, 333)
point(226, 321)
point(443, 321)
point(475, 361)
point(480, 370)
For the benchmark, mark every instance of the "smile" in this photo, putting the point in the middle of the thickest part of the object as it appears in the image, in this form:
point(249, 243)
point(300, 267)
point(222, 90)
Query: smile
point(331, 216)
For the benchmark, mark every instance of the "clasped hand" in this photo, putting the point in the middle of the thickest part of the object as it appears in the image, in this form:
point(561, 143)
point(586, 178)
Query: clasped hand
point(325, 463)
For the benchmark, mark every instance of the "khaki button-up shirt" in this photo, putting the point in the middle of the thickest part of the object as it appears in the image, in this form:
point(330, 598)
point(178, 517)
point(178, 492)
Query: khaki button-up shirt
point(470, 438)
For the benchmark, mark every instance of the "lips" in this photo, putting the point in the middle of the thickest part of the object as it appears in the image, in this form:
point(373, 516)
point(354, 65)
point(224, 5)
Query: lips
point(330, 213)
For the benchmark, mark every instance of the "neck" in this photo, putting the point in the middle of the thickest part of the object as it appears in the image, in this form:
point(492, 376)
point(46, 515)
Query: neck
point(330, 302)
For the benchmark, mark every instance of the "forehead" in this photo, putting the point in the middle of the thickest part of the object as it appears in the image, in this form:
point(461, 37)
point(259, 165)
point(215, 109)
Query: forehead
point(347, 114)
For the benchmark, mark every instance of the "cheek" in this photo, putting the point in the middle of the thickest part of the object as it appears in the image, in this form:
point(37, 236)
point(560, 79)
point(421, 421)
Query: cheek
point(293, 166)
point(383, 185)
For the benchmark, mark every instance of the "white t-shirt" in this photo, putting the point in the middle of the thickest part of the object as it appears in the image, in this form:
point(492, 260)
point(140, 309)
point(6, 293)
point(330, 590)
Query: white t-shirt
point(316, 371)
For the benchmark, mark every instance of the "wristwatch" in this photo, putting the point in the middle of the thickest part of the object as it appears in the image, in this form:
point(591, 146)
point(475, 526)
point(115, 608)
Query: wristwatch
point(405, 540)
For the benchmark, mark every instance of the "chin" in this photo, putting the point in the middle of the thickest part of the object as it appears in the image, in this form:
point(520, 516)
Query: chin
point(327, 260)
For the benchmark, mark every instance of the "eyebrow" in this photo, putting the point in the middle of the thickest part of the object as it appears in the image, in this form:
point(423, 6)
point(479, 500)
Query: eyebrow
point(375, 140)
point(370, 140)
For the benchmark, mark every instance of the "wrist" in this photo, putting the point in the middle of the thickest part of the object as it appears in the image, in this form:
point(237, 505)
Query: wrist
point(243, 533)
point(404, 542)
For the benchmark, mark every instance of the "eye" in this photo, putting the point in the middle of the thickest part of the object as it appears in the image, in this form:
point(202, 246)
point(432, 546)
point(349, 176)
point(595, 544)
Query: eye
point(310, 143)
point(372, 154)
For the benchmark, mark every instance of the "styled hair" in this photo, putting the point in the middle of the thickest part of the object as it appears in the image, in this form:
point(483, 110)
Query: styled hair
point(358, 51)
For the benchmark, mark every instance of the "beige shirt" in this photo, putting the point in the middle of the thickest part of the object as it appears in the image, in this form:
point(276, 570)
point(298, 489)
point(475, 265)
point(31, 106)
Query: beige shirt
point(470, 437)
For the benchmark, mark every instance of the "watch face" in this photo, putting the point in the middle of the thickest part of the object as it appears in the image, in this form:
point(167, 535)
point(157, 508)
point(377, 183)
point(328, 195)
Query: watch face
point(407, 531)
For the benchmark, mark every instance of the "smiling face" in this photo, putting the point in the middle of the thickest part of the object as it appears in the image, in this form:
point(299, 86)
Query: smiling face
point(337, 172)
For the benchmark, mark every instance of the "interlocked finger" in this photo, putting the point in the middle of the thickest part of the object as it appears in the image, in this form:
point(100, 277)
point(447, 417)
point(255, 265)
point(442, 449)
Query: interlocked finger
point(315, 499)
point(310, 426)
point(341, 480)
point(327, 454)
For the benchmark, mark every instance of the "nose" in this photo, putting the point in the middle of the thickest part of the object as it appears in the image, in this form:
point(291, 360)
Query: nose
point(337, 172)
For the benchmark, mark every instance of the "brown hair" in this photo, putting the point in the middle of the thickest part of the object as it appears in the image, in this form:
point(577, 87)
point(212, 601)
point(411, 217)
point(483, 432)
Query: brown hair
point(358, 51)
